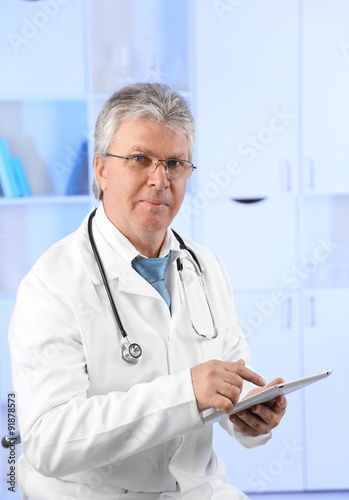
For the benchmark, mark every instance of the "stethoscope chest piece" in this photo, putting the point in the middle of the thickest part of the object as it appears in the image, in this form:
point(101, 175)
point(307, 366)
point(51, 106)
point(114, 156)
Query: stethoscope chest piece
point(131, 352)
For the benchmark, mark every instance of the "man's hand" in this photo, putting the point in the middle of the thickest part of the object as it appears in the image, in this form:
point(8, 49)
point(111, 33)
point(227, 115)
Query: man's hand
point(261, 418)
point(218, 384)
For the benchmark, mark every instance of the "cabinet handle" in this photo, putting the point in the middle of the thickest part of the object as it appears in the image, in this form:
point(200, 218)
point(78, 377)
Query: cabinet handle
point(312, 311)
point(311, 174)
point(248, 201)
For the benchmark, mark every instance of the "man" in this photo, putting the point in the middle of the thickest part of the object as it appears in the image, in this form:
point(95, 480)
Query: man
point(96, 424)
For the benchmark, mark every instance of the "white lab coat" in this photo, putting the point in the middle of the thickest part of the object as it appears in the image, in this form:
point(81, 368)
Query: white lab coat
point(92, 425)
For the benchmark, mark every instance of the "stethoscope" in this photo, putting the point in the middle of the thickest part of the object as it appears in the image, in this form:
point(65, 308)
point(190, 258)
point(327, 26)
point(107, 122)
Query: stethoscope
point(131, 351)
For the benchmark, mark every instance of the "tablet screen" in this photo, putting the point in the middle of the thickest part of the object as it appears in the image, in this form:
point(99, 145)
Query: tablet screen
point(265, 396)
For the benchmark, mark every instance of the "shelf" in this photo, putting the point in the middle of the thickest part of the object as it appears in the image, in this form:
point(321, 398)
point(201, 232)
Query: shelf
point(47, 200)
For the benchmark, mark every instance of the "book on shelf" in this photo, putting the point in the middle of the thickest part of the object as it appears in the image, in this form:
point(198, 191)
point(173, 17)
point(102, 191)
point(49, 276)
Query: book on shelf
point(78, 180)
point(7, 178)
point(13, 180)
point(20, 177)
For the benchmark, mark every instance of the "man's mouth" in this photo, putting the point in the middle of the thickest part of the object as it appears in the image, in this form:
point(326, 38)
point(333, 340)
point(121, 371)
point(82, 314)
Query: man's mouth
point(155, 204)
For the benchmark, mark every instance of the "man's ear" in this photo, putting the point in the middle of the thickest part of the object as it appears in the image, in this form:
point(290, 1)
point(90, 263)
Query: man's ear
point(101, 171)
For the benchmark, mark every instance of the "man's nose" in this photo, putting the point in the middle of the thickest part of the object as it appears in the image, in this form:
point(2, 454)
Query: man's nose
point(159, 176)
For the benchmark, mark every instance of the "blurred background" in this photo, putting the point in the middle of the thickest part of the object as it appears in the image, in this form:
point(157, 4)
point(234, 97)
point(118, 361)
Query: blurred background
point(268, 82)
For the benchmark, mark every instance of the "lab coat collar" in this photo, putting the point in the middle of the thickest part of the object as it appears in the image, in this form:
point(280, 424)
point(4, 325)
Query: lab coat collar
point(117, 253)
point(114, 237)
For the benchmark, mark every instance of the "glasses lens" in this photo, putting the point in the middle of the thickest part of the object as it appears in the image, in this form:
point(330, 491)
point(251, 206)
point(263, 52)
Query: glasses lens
point(146, 163)
point(179, 168)
point(142, 163)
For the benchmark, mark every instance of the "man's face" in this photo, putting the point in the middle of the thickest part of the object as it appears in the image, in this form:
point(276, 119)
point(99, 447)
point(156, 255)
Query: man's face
point(142, 205)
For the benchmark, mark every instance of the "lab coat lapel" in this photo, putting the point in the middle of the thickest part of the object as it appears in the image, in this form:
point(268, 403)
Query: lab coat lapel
point(129, 281)
point(117, 270)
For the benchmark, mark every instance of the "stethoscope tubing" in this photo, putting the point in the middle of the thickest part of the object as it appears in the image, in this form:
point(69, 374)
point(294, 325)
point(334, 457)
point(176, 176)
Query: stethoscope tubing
point(183, 246)
point(129, 352)
point(103, 275)
point(200, 272)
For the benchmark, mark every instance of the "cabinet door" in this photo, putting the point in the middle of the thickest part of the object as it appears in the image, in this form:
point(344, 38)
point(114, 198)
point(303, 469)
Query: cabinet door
point(326, 346)
point(325, 96)
point(46, 39)
point(256, 241)
point(246, 73)
point(274, 343)
point(324, 241)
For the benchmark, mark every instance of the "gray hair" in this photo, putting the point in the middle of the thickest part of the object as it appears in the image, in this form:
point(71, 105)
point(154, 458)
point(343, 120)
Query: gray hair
point(152, 101)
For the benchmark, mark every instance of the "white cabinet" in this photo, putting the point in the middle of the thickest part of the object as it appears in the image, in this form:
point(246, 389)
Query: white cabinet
point(325, 96)
point(274, 341)
point(326, 330)
point(324, 241)
point(267, 85)
point(247, 108)
point(256, 241)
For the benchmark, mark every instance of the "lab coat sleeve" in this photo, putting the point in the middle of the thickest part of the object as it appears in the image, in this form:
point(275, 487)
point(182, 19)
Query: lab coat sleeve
point(236, 347)
point(63, 431)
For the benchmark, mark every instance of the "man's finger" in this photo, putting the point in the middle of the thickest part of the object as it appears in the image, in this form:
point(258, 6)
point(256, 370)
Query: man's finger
point(245, 373)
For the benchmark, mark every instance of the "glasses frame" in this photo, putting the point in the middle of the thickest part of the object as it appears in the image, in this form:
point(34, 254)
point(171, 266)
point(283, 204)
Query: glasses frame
point(157, 163)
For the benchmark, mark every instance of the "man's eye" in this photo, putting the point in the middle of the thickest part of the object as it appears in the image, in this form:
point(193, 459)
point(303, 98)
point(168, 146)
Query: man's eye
point(142, 161)
point(174, 163)
point(139, 158)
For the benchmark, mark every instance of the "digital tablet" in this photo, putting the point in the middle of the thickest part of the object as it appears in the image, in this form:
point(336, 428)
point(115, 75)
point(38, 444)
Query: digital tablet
point(265, 396)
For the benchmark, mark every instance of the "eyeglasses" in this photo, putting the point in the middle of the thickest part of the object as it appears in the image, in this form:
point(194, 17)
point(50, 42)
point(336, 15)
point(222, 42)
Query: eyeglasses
point(175, 167)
